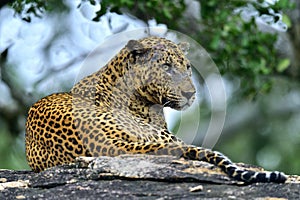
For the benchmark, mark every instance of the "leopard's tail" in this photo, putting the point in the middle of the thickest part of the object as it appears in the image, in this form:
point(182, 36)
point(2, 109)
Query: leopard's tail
point(230, 168)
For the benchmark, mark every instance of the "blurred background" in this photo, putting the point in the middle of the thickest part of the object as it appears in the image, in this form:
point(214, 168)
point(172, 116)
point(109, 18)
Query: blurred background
point(255, 45)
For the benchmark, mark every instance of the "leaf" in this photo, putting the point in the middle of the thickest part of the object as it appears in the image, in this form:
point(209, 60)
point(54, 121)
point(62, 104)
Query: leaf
point(215, 42)
point(167, 13)
point(283, 64)
point(286, 20)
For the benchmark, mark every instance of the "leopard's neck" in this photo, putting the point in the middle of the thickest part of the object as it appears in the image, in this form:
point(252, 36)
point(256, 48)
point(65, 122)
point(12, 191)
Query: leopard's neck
point(115, 87)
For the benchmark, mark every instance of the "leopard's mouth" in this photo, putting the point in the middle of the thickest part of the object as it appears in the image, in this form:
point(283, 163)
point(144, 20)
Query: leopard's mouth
point(181, 103)
point(187, 102)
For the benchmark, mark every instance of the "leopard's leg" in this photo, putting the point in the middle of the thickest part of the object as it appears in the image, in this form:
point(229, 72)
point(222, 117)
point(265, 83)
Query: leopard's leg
point(37, 156)
point(117, 147)
point(50, 137)
point(42, 154)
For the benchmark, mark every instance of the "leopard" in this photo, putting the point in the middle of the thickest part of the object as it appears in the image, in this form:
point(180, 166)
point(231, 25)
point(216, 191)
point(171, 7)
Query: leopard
point(119, 110)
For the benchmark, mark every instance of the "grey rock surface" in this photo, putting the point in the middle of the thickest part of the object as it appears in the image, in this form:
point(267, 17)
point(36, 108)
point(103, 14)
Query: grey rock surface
point(137, 177)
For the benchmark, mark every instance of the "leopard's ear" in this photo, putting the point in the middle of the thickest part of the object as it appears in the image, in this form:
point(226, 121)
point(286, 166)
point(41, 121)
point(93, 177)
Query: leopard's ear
point(135, 47)
point(184, 46)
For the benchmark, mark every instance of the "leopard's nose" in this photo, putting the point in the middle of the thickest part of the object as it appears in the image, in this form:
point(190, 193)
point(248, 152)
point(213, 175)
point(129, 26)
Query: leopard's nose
point(188, 95)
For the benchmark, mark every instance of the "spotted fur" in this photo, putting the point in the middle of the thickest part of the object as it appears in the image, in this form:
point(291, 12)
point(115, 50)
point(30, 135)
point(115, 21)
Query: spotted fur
point(119, 110)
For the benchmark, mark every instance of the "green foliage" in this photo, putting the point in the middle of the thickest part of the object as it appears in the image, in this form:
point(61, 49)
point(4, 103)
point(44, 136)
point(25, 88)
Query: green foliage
point(162, 10)
point(11, 152)
point(238, 47)
point(27, 8)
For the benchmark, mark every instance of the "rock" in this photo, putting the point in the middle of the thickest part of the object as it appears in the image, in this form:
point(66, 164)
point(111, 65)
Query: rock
point(138, 177)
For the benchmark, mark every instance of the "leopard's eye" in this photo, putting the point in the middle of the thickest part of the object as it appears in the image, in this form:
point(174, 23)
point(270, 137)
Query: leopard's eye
point(167, 67)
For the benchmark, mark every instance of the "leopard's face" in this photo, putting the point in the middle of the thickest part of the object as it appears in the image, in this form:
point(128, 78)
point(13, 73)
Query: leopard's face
point(163, 73)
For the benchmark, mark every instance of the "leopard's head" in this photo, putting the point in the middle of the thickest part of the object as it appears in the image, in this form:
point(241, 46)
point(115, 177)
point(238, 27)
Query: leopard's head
point(162, 72)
